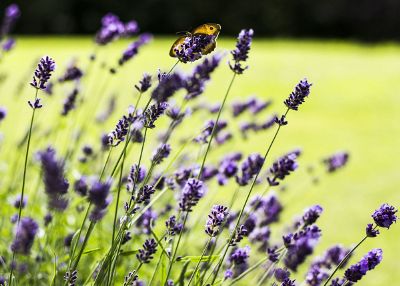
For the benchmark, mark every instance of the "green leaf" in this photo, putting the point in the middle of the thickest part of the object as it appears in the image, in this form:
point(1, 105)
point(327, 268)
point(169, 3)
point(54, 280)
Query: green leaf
point(91, 250)
point(129, 253)
point(211, 258)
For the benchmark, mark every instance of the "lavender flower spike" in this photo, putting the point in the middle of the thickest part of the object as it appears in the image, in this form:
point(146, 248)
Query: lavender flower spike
point(43, 72)
point(215, 219)
point(99, 197)
point(385, 216)
point(191, 194)
point(241, 53)
point(144, 84)
point(145, 255)
point(368, 262)
point(24, 236)
point(133, 48)
point(297, 97)
point(56, 186)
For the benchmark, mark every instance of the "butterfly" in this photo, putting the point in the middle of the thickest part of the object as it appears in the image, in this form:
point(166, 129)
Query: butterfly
point(210, 29)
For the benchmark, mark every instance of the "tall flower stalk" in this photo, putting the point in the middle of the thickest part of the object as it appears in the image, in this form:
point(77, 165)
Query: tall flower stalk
point(40, 79)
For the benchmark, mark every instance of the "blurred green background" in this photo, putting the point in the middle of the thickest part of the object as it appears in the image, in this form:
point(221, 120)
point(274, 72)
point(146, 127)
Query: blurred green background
point(353, 106)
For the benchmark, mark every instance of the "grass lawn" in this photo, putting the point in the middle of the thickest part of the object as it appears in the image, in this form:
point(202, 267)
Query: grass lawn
point(354, 105)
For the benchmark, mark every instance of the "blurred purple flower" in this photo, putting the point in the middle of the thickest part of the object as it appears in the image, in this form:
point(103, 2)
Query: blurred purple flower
point(133, 48)
point(368, 262)
point(385, 216)
point(99, 197)
point(25, 234)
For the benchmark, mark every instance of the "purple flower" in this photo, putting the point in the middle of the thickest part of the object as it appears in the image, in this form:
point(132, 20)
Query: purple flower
point(72, 73)
point(282, 168)
point(112, 28)
point(215, 219)
point(43, 72)
point(250, 167)
point(71, 278)
point(12, 13)
point(311, 215)
point(69, 103)
point(121, 129)
point(336, 161)
point(371, 231)
point(136, 176)
point(144, 194)
point(297, 97)
point(192, 192)
point(261, 235)
point(146, 221)
point(241, 53)
point(161, 153)
point(133, 48)
point(239, 259)
point(153, 113)
point(272, 253)
point(194, 84)
point(56, 186)
point(18, 203)
point(24, 236)
point(191, 48)
point(281, 274)
point(240, 233)
point(368, 262)
point(144, 83)
point(288, 282)
point(385, 216)
point(145, 255)
point(173, 227)
point(3, 113)
point(271, 209)
point(206, 133)
point(228, 274)
point(8, 45)
point(301, 245)
point(99, 197)
point(131, 28)
point(167, 87)
point(316, 275)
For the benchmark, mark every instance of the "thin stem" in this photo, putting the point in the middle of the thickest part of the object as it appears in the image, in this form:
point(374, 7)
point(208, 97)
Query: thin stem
point(171, 263)
point(198, 263)
point(105, 164)
point(88, 233)
point(155, 270)
point(24, 179)
point(344, 260)
point(247, 198)
point(255, 266)
point(173, 67)
point(215, 126)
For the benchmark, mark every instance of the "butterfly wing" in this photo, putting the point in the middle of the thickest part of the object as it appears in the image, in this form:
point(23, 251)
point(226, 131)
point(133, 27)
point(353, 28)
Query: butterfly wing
point(178, 42)
point(208, 29)
point(209, 48)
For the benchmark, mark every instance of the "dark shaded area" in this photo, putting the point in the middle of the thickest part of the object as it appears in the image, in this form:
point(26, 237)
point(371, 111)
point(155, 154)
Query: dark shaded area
point(366, 20)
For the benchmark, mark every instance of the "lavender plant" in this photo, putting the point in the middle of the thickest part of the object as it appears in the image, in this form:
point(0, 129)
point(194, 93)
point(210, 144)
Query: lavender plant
point(141, 192)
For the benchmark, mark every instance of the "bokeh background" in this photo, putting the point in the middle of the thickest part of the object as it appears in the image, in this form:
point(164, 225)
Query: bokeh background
point(348, 49)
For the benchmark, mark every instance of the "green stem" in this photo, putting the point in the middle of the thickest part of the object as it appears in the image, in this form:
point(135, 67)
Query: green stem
point(171, 263)
point(155, 270)
point(344, 260)
point(255, 266)
point(215, 126)
point(173, 67)
point(198, 263)
point(24, 179)
point(105, 164)
point(247, 199)
point(88, 233)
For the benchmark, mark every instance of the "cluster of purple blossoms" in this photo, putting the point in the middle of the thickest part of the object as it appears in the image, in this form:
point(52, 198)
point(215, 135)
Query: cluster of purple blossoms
point(146, 221)
point(192, 47)
point(241, 53)
point(71, 278)
point(56, 186)
point(25, 234)
point(72, 73)
point(167, 87)
point(18, 203)
point(145, 255)
point(250, 167)
point(144, 194)
point(336, 161)
point(238, 261)
point(194, 84)
point(385, 216)
point(311, 215)
point(319, 269)
point(121, 129)
point(99, 197)
point(43, 72)
point(133, 48)
point(282, 168)
point(136, 176)
point(355, 272)
point(11, 15)
point(228, 168)
point(215, 219)
point(144, 83)
point(252, 104)
point(173, 227)
point(8, 45)
point(153, 113)
point(245, 127)
point(69, 103)
point(192, 192)
point(300, 245)
point(81, 187)
point(297, 97)
point(112, 28)
point(238, 236)
point(208, 129)
point(161, 153)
